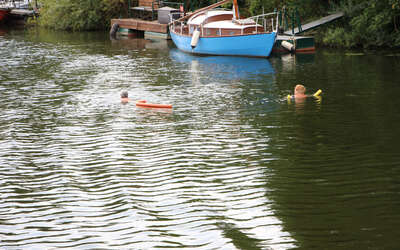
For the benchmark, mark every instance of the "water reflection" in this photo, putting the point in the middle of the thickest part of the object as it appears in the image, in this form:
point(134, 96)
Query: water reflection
point(302, 104)
point(332, 184)
point(290, 63)
point(230, 168)
point(127, 42)
point(119, 176)
point(225, 67)
point(3, 32)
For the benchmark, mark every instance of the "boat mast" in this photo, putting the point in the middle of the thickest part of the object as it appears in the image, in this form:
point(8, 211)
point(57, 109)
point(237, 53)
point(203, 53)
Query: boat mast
point(236, 9)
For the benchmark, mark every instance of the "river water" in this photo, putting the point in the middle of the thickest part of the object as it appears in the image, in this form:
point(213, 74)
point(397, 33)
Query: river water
point(233, 165)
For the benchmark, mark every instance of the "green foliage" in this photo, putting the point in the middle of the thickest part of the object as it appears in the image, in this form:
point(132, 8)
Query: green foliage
point(197, 4)
point(338, 37)
point(79, 14)
point(367, 23)
point(306, 8)
point(370, 23)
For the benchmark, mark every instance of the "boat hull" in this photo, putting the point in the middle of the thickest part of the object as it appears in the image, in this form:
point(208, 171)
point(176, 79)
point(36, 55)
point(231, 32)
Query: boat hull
point(254, 45)
point(3, 14)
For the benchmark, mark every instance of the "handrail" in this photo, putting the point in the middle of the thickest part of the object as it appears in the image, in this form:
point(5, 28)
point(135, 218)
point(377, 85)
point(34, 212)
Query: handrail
point(254, 19)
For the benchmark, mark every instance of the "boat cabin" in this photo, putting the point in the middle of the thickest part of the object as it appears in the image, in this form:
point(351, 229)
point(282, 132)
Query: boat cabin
point(216, 23)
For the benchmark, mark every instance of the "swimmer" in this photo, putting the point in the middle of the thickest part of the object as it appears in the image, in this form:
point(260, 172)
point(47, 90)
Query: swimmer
point(124, 97)
point(300, 95)
point(299, 91)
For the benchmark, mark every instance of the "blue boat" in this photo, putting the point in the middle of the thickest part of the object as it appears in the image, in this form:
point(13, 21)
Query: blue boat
point(214, 31)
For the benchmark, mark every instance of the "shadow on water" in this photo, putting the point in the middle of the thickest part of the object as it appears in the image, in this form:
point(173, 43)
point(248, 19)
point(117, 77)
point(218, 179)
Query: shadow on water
point(334, 182)
point(42, 35)
point(239, 239)
point(91, 42)
point(126, 42)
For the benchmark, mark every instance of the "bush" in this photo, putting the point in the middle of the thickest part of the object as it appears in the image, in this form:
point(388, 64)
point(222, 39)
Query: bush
point(368, 24)
point(79, 14)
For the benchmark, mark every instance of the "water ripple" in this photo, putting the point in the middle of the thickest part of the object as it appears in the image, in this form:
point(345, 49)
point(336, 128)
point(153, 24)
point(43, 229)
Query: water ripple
point(222, 170)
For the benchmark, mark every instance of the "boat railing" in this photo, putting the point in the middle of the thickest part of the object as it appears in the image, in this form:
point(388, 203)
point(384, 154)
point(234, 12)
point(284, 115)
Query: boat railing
point(266, 21)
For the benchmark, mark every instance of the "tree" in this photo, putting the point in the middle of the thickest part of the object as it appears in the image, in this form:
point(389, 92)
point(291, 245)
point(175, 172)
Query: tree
point(79, 14)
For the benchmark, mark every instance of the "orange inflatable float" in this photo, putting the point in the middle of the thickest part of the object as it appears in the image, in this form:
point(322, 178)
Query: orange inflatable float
point(144, 104)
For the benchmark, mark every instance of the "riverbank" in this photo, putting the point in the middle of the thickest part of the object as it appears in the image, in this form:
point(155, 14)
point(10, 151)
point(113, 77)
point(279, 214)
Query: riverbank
point(367, 24)
point(370, 25)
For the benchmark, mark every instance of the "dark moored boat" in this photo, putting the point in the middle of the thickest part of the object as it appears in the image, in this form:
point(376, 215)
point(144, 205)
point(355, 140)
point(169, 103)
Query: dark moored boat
point(3, 14)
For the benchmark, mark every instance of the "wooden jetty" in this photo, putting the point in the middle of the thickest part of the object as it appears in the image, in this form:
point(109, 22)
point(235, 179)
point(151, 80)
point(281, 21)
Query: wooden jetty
point(150, 19)
point(138, 27)
point(290, 41)
point(314, 24)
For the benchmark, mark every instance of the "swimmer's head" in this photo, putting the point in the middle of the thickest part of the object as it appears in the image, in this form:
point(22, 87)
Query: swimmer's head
point(299, 89)
point(124, 94)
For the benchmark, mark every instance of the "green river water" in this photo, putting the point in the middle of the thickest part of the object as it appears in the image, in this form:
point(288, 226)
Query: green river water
point(232, 166)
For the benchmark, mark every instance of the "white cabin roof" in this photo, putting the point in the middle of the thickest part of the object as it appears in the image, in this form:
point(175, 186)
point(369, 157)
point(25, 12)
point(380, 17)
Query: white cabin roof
point(226, 25)
point(198, 19)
